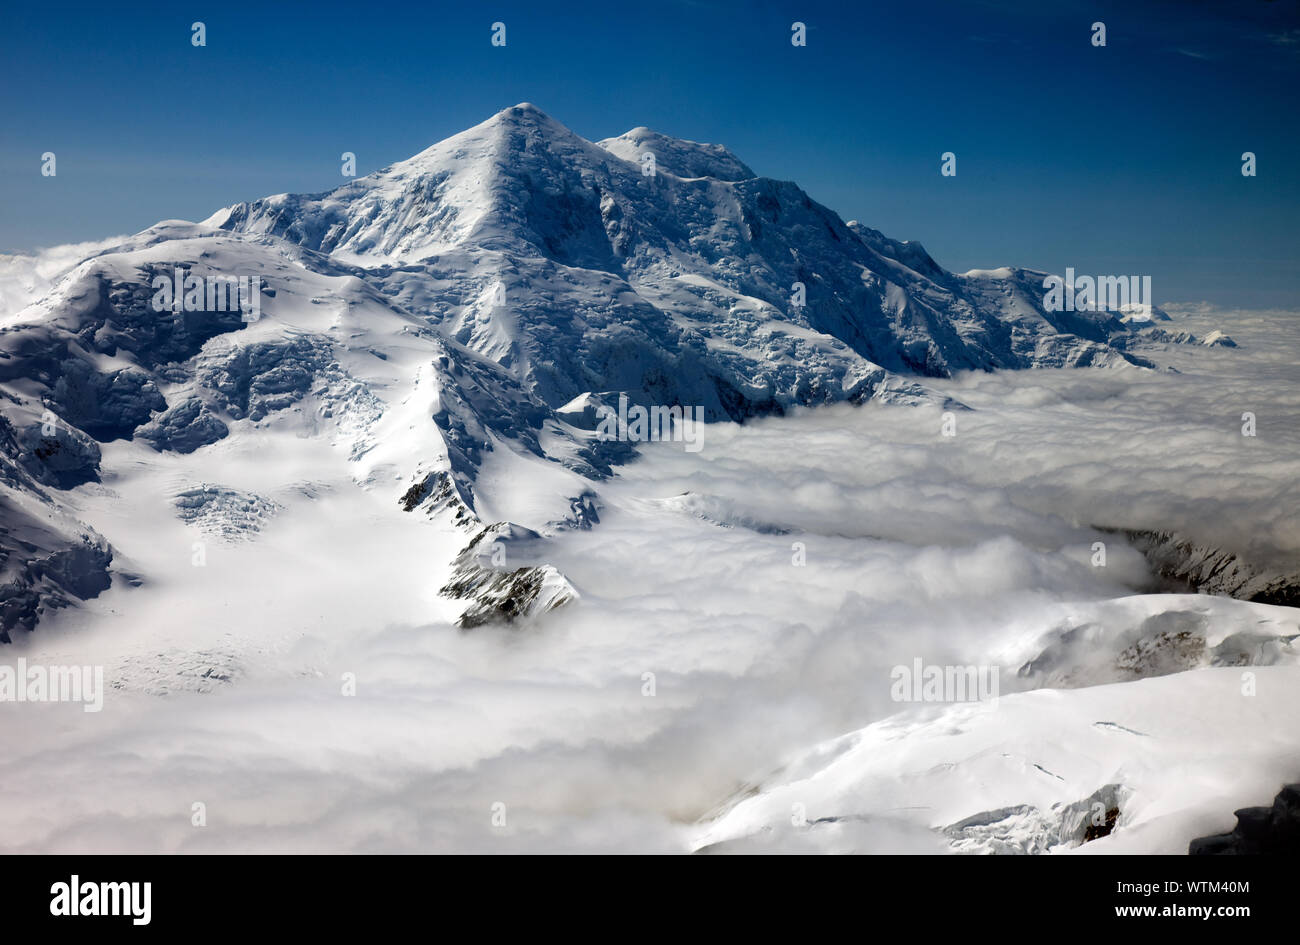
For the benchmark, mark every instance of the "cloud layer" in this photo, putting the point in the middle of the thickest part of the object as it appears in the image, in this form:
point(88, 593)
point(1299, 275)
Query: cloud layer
point(760, 589)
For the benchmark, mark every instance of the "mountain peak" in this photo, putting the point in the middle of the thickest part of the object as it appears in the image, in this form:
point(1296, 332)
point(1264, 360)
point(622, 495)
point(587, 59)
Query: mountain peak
point(522, 113)
point(524, 119)
point(524, 108)
point(678, 156)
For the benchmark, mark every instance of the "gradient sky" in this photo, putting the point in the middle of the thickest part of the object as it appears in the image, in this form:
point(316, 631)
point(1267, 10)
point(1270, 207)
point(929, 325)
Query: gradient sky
point(1119, 160)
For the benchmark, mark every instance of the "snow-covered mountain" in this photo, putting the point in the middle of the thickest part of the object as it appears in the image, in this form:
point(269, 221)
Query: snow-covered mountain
point(294, 511)
point(476, 301)
point(1030, 777)
point(699, 257)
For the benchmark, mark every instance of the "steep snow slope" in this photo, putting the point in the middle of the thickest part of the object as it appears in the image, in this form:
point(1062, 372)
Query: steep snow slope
point(457, 304)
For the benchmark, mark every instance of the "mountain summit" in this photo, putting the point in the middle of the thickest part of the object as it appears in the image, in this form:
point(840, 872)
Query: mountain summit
point(689, 280)
point(452, 321)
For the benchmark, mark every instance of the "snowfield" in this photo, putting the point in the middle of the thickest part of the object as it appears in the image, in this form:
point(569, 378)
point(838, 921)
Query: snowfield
point(1021, 778)
point(362, 576)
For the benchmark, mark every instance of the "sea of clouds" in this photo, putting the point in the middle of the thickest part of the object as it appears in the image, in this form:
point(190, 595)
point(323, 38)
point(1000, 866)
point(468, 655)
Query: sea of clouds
point(767, 584)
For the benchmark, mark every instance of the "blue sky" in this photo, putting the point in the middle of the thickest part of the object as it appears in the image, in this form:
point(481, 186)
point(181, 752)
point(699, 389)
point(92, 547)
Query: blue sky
point(1117, 160)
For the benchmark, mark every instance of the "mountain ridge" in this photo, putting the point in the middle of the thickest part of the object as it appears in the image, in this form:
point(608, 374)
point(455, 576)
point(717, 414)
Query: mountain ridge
point(442, 312)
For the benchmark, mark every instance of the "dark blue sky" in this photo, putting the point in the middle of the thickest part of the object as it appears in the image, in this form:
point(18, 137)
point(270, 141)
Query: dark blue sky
point(1119, 160)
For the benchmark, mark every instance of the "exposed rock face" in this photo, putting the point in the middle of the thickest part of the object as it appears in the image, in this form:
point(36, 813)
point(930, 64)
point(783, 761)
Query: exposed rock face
point(509, 595)
point(1216, 571)
point(48, 559)
point(28, 588)
point(1269, 830)
point(98, 315)
point(436, 492)
point(1169, 642)
point(62, 457)
point(497, 592)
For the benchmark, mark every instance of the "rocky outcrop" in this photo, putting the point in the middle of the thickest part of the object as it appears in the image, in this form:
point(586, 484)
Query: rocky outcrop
point(1217, 571)
point(48, 559)
point(32, 582)
point(498, 593)
point(1173, 641)
point(1267, 830)
point(57, 455)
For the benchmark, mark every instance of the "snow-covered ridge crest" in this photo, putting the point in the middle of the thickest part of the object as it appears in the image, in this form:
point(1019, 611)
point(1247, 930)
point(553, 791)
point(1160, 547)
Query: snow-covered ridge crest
point(687, 159)
point(473, 186)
